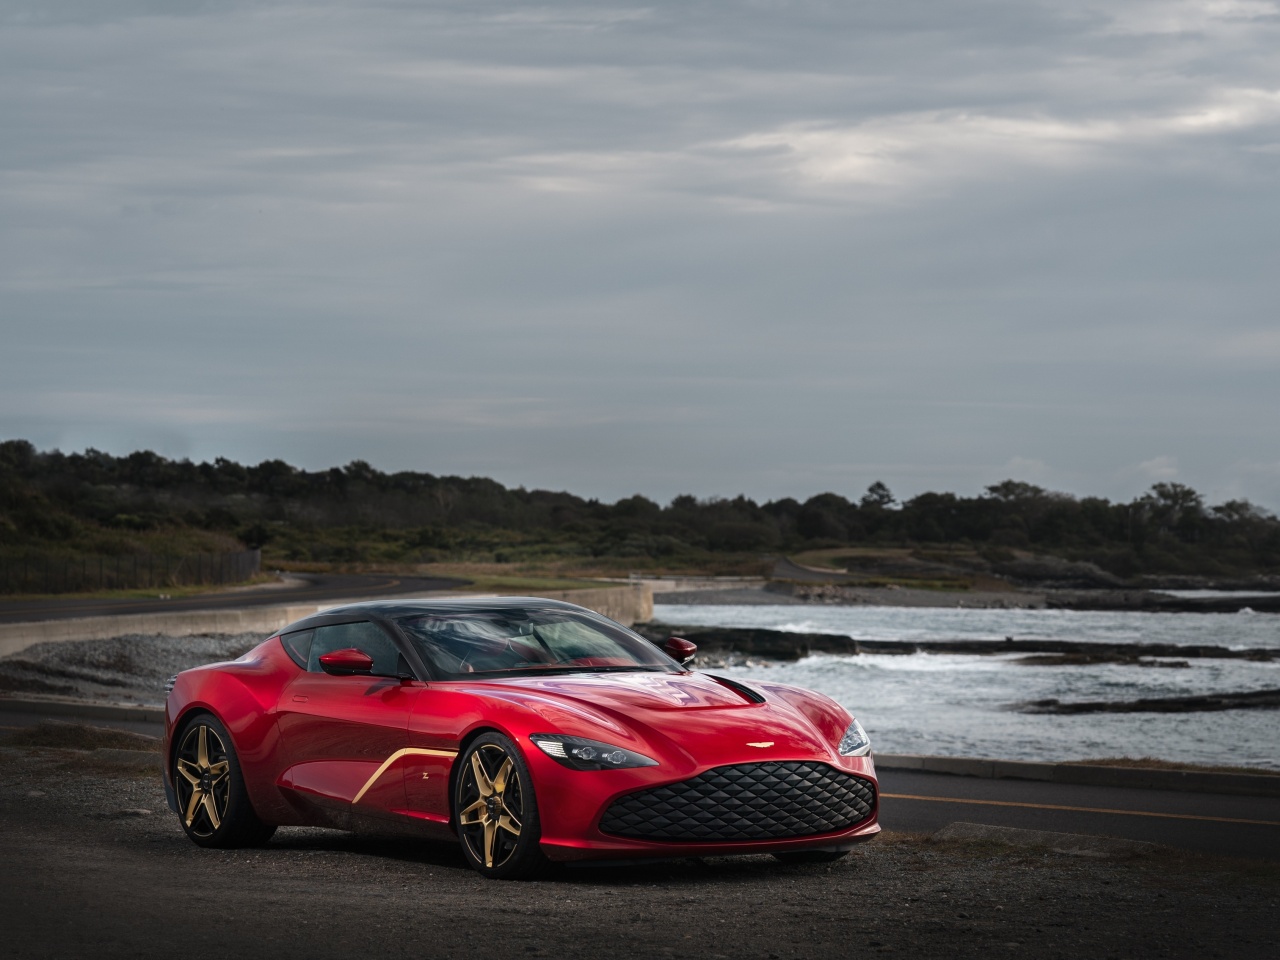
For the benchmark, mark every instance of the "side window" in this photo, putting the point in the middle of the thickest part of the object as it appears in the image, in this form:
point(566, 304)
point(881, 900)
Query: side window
point(298, 646)
point(365, 636)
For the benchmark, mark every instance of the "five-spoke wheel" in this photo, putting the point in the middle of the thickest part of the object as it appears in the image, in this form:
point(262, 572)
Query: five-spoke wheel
point(497, 813)
point(213, 804)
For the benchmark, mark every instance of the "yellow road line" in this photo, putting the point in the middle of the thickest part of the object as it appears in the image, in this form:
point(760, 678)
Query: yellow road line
point(1055, 806)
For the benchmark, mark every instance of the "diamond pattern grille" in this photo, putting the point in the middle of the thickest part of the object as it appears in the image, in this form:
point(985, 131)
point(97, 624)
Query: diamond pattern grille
point(748, 801)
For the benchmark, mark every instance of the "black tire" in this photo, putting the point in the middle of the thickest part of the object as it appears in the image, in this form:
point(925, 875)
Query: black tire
point(496, 811)
point(213, 804)
point(797, 857)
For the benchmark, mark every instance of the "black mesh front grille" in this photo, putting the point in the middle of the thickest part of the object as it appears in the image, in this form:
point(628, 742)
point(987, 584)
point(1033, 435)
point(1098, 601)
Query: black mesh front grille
point(749, 801)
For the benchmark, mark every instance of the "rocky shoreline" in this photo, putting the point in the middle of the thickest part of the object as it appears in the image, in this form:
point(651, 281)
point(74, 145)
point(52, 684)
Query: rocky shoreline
point(784, 645)
point(723, 646)
point(1251, 700)
point(780, 592)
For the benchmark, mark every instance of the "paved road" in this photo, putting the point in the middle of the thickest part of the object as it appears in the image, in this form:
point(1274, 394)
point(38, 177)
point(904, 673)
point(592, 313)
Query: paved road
point(924, 802)
point(1210, 823)
point(309, 587)
point(85, 871)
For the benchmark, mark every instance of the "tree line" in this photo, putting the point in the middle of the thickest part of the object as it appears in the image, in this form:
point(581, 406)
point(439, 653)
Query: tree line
point(97, 501)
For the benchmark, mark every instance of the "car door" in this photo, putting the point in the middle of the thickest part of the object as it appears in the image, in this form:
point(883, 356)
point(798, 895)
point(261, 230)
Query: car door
point(437, 720)
point(340, 734)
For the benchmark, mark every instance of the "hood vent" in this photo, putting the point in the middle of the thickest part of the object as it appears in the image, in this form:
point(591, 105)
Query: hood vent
point(752, 696)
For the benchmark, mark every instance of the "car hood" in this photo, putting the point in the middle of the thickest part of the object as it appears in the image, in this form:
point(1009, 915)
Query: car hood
point(693, 714)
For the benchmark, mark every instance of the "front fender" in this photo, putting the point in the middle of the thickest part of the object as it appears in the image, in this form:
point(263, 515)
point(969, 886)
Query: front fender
point(829, 719)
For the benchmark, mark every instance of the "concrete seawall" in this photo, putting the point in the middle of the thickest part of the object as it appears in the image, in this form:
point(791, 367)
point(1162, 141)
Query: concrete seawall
point(627, 604)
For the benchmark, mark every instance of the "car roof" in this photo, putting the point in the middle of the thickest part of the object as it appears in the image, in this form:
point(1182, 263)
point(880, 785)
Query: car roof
point(395, 609)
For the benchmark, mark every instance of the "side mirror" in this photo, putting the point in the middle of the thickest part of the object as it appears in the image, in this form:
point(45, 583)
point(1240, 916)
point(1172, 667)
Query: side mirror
point(346, 663)
point(680, 650)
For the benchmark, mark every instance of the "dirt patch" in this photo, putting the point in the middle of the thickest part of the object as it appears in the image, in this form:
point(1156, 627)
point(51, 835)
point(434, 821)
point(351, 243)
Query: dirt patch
point(96, 848)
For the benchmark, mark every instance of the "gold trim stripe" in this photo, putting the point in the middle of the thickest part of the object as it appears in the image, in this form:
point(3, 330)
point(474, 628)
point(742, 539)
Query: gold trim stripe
point(406, 752)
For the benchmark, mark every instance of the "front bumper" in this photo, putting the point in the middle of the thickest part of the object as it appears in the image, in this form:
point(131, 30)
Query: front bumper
point(751, 806)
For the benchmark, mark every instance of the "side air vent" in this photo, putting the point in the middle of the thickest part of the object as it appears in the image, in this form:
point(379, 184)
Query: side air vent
point(753, 696)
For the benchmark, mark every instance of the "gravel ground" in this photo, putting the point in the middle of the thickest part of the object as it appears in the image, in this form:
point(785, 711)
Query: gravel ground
point(92, 863)
point(127, 668)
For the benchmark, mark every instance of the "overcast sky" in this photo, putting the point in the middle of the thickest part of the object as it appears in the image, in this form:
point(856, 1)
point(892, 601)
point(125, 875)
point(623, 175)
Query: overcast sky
point(771, 248)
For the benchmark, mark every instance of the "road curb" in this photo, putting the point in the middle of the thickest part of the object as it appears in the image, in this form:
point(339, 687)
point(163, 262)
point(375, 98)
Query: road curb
point(83, 711)
point(1187, 781)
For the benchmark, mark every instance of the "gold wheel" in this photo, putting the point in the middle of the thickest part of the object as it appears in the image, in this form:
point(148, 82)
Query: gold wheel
point(495, 805)
point(203, 780)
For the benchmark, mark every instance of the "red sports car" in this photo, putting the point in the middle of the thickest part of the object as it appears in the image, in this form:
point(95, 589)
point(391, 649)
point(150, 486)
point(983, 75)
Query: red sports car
point(530, 730)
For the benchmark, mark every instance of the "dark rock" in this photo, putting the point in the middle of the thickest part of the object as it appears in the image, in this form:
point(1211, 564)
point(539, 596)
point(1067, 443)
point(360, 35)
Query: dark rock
point(780, 645)
point(1253, 700)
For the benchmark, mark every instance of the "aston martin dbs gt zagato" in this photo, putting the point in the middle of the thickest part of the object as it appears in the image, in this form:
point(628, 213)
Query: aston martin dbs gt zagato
point(528, 729)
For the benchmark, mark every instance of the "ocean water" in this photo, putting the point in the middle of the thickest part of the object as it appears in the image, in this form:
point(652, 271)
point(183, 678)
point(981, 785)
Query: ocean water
point(963, 704)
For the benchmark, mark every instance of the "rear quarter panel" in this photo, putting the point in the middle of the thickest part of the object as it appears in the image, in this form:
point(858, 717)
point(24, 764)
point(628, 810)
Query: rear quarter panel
point(243, 695)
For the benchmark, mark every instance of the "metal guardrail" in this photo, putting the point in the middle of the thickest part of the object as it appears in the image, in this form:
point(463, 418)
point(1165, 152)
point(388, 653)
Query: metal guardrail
point(53, 572)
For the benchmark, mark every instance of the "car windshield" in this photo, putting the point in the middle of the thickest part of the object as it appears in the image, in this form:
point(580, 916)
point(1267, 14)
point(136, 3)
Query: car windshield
point(522, 642)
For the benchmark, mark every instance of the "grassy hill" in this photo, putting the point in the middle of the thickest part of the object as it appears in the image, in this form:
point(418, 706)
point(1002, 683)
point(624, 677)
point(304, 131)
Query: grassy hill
point(356, 515)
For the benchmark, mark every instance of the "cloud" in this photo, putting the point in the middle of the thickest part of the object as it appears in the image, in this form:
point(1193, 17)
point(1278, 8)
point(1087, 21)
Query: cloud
point(1191, 16)
point(1155, 470)
point(150, 408)
point(664, 246)
point(1254, 346)
point(1026, 468)
point(910, 150)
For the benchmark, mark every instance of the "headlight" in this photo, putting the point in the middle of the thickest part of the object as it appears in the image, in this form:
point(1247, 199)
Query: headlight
point(855, 742)
point(580, 754)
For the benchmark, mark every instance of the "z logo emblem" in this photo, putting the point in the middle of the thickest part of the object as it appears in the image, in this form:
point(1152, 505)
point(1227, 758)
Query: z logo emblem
point(762, 744)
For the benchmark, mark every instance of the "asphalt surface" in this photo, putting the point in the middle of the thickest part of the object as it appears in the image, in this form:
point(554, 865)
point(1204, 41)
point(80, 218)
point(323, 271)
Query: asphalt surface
point(916, 802)
point(309, 587)
point(93, 865)
point(1232, 826)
